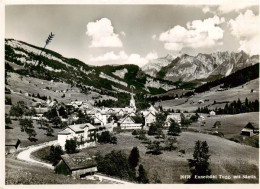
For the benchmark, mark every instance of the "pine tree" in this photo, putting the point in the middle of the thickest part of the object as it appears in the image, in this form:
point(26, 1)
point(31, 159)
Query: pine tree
point(142, 175)
point(199, 165)
point(133, 158)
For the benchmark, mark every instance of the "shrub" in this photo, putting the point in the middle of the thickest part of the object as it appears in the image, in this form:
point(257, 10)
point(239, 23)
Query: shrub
point(133, 158)
point(71, 146)
point(115, 163)
point(55, 154)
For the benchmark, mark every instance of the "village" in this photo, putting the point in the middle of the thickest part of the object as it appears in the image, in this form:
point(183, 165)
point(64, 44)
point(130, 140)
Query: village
point(88, 126)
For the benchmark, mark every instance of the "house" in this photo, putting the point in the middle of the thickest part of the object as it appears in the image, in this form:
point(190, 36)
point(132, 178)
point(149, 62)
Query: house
point(250, 130)
point(149, 118)
point(83, 133)
point(12, 145)
point(78, 165)
point(175, 116)
point(99, 118)
point(212, 113)
point(129, 122)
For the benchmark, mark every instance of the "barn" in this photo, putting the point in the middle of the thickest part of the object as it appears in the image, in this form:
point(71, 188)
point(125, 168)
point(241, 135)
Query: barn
point(12, 145)
point(250, 129)
point(78, 165)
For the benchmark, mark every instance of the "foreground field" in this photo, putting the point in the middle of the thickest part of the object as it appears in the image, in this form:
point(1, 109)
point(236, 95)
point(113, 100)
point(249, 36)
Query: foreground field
point(18, 172)
point(227, 157)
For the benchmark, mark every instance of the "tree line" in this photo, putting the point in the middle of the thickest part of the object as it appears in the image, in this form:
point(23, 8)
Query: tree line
point(235, 107)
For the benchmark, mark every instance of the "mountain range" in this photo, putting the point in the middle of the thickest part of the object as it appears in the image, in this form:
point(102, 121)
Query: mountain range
point(200, 67)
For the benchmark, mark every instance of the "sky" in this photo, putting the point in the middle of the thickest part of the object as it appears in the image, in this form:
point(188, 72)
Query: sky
point(135, 34)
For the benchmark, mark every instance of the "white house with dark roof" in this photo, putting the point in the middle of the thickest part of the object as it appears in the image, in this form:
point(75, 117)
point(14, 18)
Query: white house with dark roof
point(128, 122)
point(83, 133)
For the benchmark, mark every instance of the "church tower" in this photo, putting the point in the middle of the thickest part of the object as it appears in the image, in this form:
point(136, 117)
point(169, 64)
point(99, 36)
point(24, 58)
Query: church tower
point(132, 101)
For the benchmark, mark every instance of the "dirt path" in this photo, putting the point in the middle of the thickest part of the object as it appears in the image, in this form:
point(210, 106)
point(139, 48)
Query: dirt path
point(25, 155)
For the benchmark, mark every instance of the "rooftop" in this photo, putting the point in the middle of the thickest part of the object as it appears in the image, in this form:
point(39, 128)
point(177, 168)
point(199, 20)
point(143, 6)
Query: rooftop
point(78, 161)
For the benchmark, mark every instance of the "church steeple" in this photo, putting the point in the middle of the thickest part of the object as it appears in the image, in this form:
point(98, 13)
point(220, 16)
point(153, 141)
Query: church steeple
point(132, 101)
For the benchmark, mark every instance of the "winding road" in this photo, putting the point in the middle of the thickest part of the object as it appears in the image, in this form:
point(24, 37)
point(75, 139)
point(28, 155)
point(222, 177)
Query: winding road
point(25, 155)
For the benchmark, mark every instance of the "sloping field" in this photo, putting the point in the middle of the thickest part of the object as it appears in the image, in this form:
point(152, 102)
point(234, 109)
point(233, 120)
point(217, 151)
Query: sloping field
point(15, 133)
point(170, 165)
point(56, 90)
point(231, 125)
point(209, 97)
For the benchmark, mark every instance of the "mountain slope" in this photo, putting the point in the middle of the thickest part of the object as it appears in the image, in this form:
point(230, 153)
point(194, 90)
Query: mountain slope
point(204, 66)
point(23, 58)
point(154, 66)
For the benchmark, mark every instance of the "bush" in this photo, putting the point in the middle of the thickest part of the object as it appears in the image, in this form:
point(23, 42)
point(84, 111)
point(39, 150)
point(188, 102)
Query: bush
point(8, 101)
point(55, 154)
point(116, 164)
point(134, 132)
point(106, 137)
point(71, 146)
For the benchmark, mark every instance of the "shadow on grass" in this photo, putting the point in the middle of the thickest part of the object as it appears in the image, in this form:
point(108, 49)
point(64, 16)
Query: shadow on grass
point(33, 139)
point(8, 127)
point(153, 152)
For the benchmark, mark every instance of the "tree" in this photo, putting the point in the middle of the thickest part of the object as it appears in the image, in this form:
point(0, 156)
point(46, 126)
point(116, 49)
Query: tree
point(42, 122)
point(31, 132)
point(133, 158)
point(170, 143)
point(152, 129)
point(174, 128)
point(217, 124)
point(7, 120)
point(184, 122)
point(115, 163)
point(71, 146)
point(26, 124)
point(154, 147)
point(55, 154)
point(106, 137)
point(142, 175)
point(18, 109)
point(199, 165)
point(49, 130)
point(56, 121)
point(194, 118)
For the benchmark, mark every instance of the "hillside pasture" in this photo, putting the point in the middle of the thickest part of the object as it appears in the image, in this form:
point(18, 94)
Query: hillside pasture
point(225, 155)
point(221, 97)
point(15, 133)
point(231, 125)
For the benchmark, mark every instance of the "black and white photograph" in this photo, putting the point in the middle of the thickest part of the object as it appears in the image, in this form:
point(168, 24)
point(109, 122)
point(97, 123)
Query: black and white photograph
point(131, 93)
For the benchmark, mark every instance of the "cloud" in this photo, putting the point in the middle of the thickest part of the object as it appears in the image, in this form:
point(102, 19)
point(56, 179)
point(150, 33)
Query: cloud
point(123, 33)
point(197, 34)
point(123, 58)
point(230, 7)
point(245, 27)
point(102, 34)
point(110, 56)
point(154, 36)
point(206, 9)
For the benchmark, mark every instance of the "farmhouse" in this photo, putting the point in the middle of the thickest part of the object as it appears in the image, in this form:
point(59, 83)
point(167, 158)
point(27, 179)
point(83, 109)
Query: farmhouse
point(149, 118)
point(175, 116)
point(12, 145)
point(77, 165)
point(212, 113)
point(250, 130)
point(129, 122)
point(85, 134)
